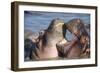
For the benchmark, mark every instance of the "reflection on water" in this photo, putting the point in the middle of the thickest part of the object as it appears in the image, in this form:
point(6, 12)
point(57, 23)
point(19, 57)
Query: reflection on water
point(37, 21)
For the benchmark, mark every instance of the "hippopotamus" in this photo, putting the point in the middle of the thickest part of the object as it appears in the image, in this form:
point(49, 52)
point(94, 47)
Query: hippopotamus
point(45, 46)
point(75, 47)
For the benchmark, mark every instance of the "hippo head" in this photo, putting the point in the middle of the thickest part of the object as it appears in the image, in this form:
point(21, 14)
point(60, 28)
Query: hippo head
point(57, 27)
point(55, 23)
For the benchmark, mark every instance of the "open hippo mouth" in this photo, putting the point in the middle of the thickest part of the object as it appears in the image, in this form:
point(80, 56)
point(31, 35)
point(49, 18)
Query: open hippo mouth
point(46, 45)
point(77, 27)
point(57, 29)
point(73, 48)
point(56, 25)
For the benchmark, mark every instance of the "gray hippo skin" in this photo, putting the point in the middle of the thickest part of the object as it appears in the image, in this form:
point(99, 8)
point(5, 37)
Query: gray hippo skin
point(74, 49)
point(46, 46)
